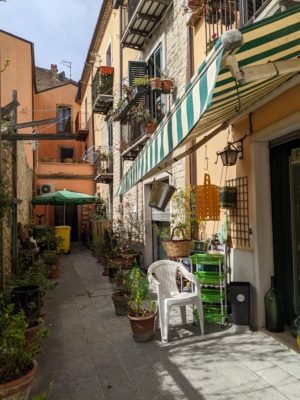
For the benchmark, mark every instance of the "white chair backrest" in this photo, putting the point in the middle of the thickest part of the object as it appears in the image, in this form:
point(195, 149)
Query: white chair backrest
point(165, 272)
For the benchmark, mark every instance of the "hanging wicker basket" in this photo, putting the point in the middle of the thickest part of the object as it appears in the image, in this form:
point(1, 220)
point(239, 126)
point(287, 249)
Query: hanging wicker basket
point(177, 248)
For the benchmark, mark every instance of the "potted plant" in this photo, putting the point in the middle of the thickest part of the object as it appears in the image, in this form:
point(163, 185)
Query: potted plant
point(141, 81)
point(141, 114)
point(120, 296)
point(17, 357)
point(167, 83)
point(141, 317)
point(104, 70)
point(155, 83)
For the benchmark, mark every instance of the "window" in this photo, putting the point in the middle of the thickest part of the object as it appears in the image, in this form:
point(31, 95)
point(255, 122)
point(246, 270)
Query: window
point(64, 120)
point(66, 152)
point(110, 134)
point(108, 56)
point(155, 69)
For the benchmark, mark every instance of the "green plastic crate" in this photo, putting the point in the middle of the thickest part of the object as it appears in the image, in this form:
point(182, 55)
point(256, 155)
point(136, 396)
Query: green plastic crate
point(211, 296)
point(209, 259)
point(210, 278)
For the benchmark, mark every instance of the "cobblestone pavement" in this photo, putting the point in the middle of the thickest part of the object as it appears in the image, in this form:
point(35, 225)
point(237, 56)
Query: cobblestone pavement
point(90, 354)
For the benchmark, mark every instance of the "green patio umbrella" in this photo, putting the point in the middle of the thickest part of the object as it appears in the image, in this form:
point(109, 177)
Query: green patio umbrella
point(64, 197)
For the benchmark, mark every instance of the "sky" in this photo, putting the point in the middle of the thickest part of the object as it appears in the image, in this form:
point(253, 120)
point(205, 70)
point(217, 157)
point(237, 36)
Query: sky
point(60, 29)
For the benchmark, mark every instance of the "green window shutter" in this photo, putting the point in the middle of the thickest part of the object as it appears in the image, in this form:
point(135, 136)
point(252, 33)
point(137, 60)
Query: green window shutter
point(157, 56)
point(136, 69)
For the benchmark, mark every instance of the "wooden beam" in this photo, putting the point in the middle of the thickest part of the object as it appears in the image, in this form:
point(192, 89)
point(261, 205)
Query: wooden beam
point(137, 32)
point(35, 123)
point(38, 136)
point(165, 2)
point(9, 108)
point(148, 17)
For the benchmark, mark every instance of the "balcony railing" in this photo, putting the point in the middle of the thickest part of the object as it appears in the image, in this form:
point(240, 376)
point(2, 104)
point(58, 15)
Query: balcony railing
point(102, 90)
point(103, 164)
point(142, 16)
point(81, 129)
point(222, 15)
point(133, 139)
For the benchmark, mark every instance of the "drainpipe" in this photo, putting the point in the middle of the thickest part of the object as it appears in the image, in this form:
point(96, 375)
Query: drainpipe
point(192, 155)
point(120, 91)
point(14, 244)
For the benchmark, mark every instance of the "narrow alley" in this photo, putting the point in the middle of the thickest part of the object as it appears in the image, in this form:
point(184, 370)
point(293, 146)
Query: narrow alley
point(90, 354)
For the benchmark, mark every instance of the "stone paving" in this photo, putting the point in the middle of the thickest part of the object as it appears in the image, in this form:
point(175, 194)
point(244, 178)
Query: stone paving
point(90, 354)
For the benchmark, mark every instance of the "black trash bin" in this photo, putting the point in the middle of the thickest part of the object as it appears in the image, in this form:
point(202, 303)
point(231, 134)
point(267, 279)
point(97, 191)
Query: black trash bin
point(239, 297)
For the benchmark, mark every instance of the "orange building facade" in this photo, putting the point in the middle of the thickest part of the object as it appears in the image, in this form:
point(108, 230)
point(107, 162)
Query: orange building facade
point(58, 162)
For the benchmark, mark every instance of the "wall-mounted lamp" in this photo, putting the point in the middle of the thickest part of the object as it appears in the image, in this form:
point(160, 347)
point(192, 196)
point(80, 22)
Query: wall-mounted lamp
point(230, 153)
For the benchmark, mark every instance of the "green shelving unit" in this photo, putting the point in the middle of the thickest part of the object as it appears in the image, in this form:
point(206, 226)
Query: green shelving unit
point(212, 276)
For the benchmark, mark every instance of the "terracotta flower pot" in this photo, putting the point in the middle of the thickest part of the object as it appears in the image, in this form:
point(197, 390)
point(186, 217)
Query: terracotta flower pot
point(106, 70)
point(149, 127)
point(142, 327)
point(54, 272)
point(166, 85)
point(18, 389)
point(31, 332)
point(155, 83)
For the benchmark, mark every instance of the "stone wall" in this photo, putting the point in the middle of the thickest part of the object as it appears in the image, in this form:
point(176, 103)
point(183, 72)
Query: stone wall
point(24, 186)
point(172, 32)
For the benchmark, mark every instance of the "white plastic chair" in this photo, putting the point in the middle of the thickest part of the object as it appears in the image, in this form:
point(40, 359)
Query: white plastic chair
point(168, 294)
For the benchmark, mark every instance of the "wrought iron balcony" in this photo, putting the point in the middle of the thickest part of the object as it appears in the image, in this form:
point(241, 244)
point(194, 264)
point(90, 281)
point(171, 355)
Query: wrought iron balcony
point(102, 90)
point(142, 16)
point(103, 164)
point(81, 129)
point(222, 15)
point(133, 139)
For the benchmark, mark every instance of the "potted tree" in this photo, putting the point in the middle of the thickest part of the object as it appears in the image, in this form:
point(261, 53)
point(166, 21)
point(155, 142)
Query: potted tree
point(141, 317)
point(17, 357)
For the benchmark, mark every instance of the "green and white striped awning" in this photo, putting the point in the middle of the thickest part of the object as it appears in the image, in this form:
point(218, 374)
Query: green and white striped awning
point(211, 97)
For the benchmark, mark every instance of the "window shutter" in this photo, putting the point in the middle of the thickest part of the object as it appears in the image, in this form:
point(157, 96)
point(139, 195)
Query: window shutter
point(136, 69)
point(158, 61)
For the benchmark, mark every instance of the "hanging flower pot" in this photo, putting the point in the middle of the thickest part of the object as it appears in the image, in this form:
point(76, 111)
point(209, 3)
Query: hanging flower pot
point(228, 197)
point(161, 194)
point(155, 83)
point(106, 70)
point(166, 86)
point(149, 127)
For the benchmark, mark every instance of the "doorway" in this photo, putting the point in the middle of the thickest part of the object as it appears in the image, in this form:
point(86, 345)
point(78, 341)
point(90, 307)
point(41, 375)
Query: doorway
point(71, 219)
point(285, 191)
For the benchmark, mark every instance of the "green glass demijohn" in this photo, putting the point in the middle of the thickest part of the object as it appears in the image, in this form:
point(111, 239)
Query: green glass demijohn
point(274, 309)
point(295, 324)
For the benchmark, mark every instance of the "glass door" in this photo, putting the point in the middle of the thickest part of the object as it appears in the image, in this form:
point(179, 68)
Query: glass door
point(295, 222)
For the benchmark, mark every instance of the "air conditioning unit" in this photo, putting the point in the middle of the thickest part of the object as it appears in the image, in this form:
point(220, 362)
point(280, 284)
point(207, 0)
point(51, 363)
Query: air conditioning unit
point(47, 188)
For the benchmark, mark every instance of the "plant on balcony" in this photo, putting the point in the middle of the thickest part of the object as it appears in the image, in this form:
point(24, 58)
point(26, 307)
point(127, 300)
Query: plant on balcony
point(141, 81)
point(142, 114)
point(127, 90)
point(167, 82)
point(104, 70)
point(121, 104)
point(155, 83)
